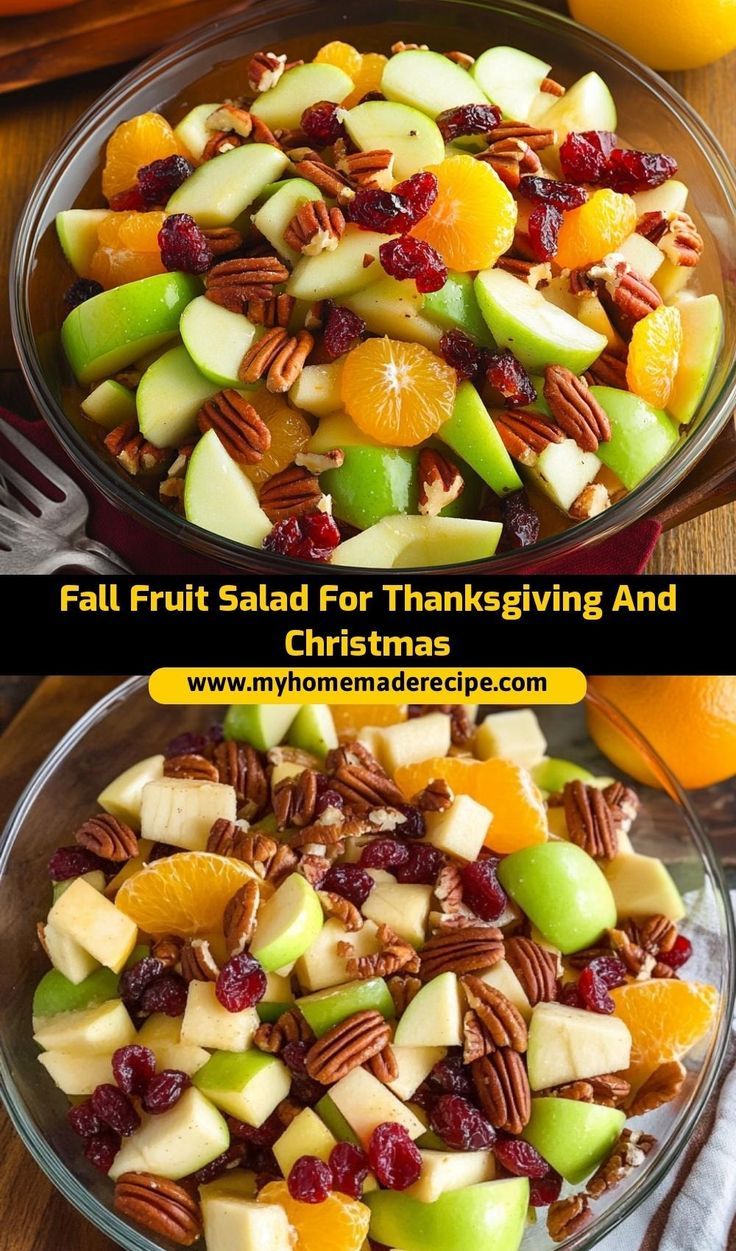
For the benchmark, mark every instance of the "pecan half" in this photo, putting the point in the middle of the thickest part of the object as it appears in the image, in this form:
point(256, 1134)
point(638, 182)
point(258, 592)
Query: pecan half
point(503, 1091)
point(223, 239)
point(347, 1045)
point(315, 228)
point(511, 158)
point(224, 837)
point(108, 837)
point(132, 451)
point(239, 919)
point(589, 820)
point(609, 370)
point(477, 1042)
point(440, 482)
point(467, 950)
point(566, 1217)
point(241, 766)
point(334, 905)
point(526, 435)
point(328, 180)
point(624, 804)
point(533, 273)
point(448, 888)
point(384, 1066)
point(630, 1152)
point(237, 425)
point(265, 70)
point(362, 782)
point(191, 765)
point(395, 955)
point(197, 961)
point(233, 283)
point(324, 834)
point(574, 409)
point(631, 296)
point(552, 87)
point(274, 311)
point(292, 492)
point(610, 1090)
point(662, 1086)
point(314, 869)
point(502, 1019)
point(220, 142)
point(295, 800)
point(535, 137)
point(639, 963)
point(400, 46)
point(535, 967)
point(656, 934)
point(290, 1027)
point(368, 169)
point(159, 1205)
point(403, 989)
point(278, 356)
point(436, 797)
point(268, 858)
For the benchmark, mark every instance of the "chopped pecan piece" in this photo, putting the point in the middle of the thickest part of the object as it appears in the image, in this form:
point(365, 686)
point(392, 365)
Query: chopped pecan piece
point(223, 239)
point(108, 837)
point(477, 1042)
point(503, 1091)
point(574, 409)
point(237, 425)
point(592, 500)
point(338, 906)
point(168, 950)
point(233, 283)
point(675, 234)
point(277, 355)
point(511, 158)
point(132, 451)
point(440, 482)
point(190, 765)
point(348, 1044)
point(265, 70)
point(322, 834)
point(662, 1086)
point(400, 46)
point(467, 950)
point(239, 919)
point(535, 967)
point(449, 888)
point(624, 805)
point(463, 59)
point(534, 273)
point(630, 1152)
point(320, 462)
point(274, 311)
point(197, 961)
point(436, 797)
point(290, 1027)
point(396, 955)
point(639, 963)
point(292, 492)
point(589, 820)
point(328, 180)
point(315, 228)
point(314, 869)
point(552, 87)
point(368, 169)
point(566, 1217)
point(610, 1090)
point(609, 370)
point(231, 116)
point(504, 1022)
point(526, 435)
point(159, 1205)
point(535, 137)
point(220, 142)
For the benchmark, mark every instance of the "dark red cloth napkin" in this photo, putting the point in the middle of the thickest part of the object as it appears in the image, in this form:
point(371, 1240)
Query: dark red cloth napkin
point(148, 552)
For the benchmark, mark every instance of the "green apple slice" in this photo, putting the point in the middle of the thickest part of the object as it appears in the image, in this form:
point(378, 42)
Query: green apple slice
point(219, 497)
point(288, 924)
point(573, 1137)
point(263, 726)
point(117, 327)
point(55, 993)
point(216, 340)
point(569, 1044)
point(511, 79)
point(340, 272)
point(414, 138)
point(641, 436)
point(455, 307)
point(587, 105)
point(471, 432)
point(282, 106)
point(562, 891)
point(313, 729)
point(429, 82)
point(123, 796)
point(402, 542)
point(394, 308)
point(95, 1031)
point(278, 998)
point(77, 230)
point(372, 483)
point(247, 1084)
point(110, 404)
point(274, 216)
point(175, 1143)
point(192, 131)
point(702, 336)
point(537, 332)
point(170, 394)
point(434, 1016)
point(220, 190)
point(552, 774)
point(491, 1215)
point(325, 1008)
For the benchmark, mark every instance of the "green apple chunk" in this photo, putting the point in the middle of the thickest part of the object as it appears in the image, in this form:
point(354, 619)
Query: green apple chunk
point(491, 1215)
point(395, 308)
point(247, 1084)
point(219, 191)
point(174, 1143)
point(573, 1137)
point(403, 542)
point(328, 1007)
point(96, 878)
point(455, 307)
point(510, 78)
point(169, 396)
point(429, 82)
point(569, 1044)
point(642, 886)
point(702, 336)
point(216, 341)
point(537, 332)
point(562, 891)
point(337, 430)
point(274, 216)
point(117, 327)
point(110, 404)
point(278, 998)
point(434, 1016)
point(77, 230)
point(94, 1031)
point(55, 993)
point(124, 795)
point(288, 924)
point(641, 436)
point(74, 1074)
point(376, 482)
point(451, 1170)
point(261, 725)
point(340, 272)
point(313, 729)
point(414, 138)
point(562, 471)
point(192, 131)
point(365, 1102)
point(306, 1135)
point(552, 774)
point(94, 922)
point(587, 105)
point(219, 497)
point(282, 106)
point(471, 432)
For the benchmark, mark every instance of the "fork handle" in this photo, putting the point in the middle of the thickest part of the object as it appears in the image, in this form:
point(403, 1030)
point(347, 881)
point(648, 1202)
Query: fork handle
point(80, 558)
point(105, 554)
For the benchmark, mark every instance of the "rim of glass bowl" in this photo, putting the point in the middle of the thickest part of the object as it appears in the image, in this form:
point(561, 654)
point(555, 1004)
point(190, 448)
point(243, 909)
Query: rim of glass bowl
point(131, 1239)
point(123, 494)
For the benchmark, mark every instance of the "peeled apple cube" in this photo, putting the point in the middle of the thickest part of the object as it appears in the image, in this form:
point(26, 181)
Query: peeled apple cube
point(182, 811)
point(366, 1103)
point(76, 1074)
point(515, 735)
point(414, 1065)
point(207, 1024)
point(461, 829)
point(422, 738)
point(231, 1221)
point(95, 923)
point(403, 907)
point(176, 1143)
point(568, 1044)
point(306, 1135)
point(451, 1170)
point(642, 886)
point(91, 1032)
point(67, 956)
point(321, 965)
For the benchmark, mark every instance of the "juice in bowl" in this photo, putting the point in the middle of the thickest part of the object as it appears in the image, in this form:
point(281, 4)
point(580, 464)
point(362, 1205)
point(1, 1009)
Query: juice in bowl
point(404, 981)
point(390, 330)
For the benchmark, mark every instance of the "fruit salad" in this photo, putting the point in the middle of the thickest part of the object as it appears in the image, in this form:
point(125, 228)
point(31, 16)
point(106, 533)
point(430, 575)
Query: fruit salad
point(389, 311)
point(320, 977)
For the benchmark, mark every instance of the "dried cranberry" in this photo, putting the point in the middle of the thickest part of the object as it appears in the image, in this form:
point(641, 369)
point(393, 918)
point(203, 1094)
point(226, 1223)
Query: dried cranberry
point(545, 1190)
point(562, 195)
point(609, 970)
point(451, 1075)
point(584, 154)
point(321, 124)
point(422, 865)
point(162, 851)
point(509, 379)
point(164, 1090)
point(349, 1166)
point(115, 1109)
point(84, 1120)
point(520, 1158)
point(468, 119)
point(678, 954)
point(102, 1149)
point(187, 744)
point(69, 862)
point(419, 194)
point(594, 993)
point(78, 293)
point(570, 996)
point(343, 329)
point(383, 853)
point(629, 171)
point(482, 890)
point(133, 1067)
point(294, 1055)
point(543, 228)
point(383, 211)
point(159, 180)
point(306, 1090)
point(183, 245)
point(312, 537)
point(241, 983)
point(465, 357)
point(327, 798)
point(414, 826)
point(393, 1156)
point(371, 95)
point(264, 1135)
point(414, 258)
point(350, 881)
point(134, 981)
point(221, 1164)
point(131, 200)
point(167, 994)
point(521, 522)
point(310, 1180)
point(461, 1125)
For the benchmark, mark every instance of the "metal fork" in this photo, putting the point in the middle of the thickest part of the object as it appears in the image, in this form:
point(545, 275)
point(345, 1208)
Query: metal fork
point(39, 534)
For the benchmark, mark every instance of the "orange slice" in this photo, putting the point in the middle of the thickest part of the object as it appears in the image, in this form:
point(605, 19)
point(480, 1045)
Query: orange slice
point(398, 393)
point(343, 55)
point(654, 354)
point(184, 894)
point(128, 248)
point(666, 1018)
point(290, 433)
point(596, 228)
point(350, 718)
point(135, 143)
point(471, 223)
point(368, 77)
point(519, 818)
point(338, 1224)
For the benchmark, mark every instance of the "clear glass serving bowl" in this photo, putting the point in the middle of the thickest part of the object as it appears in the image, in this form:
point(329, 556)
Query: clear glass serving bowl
point(126, 725)
point(208, 64)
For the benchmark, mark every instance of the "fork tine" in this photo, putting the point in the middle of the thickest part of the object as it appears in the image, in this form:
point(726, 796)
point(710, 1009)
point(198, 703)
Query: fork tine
point(26, 488)
point(41, 461)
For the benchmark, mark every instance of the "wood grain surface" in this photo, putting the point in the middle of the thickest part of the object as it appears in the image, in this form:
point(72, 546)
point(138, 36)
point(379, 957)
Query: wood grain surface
point(33, 121)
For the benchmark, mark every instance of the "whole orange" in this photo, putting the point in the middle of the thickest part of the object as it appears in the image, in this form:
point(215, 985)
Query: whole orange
point(689, 720)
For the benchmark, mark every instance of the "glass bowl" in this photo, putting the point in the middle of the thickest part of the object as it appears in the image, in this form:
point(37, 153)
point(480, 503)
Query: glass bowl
point(125, 726)
point(206, 63)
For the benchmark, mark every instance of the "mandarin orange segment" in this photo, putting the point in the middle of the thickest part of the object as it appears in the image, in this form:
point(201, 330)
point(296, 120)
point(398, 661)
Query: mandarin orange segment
point(519, 818)
point(184, 894)
point(666, 1017)
point(343, 55)
point(654, 354)
point(290, 433)
point(596, 228)
point(338, 1224)
point(128, 248)
point(398, 393)
point(145, 138)
point(350, 718)
point(368, 78)
point(471, 223)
